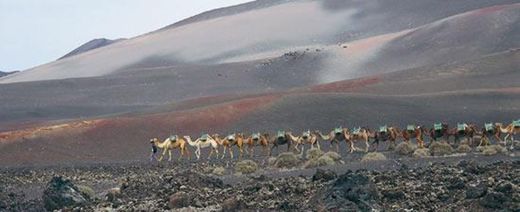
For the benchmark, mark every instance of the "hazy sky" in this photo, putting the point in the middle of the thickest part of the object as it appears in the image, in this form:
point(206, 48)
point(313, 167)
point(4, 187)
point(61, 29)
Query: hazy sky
point(34, 32)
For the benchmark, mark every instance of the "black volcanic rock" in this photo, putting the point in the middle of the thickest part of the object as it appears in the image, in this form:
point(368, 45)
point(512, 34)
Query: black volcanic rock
point(61, 193)
point(93, 44)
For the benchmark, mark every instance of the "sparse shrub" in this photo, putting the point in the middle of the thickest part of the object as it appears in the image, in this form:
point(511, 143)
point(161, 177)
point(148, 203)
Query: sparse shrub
point(271, 161)
point(246, 167)
point(313, 154)
point(85, 190)
point(463, 148)
point(489, 151)
point(334, 155)
point(440, 149)
point(373, 156)
point(492, 149)
point(405, 148)
point(219, 171)
point(325, 160)
point(421, 153)
point(286, 160)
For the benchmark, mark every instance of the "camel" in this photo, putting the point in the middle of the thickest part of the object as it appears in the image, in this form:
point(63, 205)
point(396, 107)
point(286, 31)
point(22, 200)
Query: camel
point(173, 142)
point(203, 142)
point(362, 134)
point(281, 138)
point(462, 130)
point(296, 140)
point(510, 130)
point(386, 133)
point(237, 139)
point(226, 145)
point(439, 130)
point(334, 137)
point(257, 139)
point(416, 132)
point(310, 138)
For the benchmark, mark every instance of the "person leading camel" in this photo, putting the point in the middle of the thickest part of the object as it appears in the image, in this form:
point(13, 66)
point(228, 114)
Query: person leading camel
point(170, 143)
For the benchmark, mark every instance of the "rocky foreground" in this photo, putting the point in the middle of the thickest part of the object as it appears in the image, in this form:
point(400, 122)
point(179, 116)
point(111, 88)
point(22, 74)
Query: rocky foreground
point(463, 186)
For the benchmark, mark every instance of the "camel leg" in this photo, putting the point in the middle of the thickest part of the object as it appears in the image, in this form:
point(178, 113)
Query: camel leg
point(223, 152)
point(210, 153)
point(169, 155)
point(230, 152)
point(352, 148)
point(337, 147)
point(216, 150)
point(251, 151)
point(197, 153)
point(367, 145)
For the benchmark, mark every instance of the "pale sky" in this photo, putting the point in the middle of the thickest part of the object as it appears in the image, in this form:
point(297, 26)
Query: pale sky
point(34, 32)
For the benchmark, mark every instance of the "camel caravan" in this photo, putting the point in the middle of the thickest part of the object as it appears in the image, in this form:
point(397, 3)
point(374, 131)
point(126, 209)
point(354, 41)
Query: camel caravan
point(364, 136)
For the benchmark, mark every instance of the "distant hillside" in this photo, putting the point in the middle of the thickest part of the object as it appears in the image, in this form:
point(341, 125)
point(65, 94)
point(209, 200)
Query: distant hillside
point(93, 44)
point(6, 73)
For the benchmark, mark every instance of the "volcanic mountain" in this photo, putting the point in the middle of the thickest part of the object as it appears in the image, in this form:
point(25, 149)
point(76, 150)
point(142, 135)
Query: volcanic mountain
point(93, 44)
point(267, 65)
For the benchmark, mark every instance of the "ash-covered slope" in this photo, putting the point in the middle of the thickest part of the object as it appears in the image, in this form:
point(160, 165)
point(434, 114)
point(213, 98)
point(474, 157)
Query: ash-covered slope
point(93, 44)
point(251, 31)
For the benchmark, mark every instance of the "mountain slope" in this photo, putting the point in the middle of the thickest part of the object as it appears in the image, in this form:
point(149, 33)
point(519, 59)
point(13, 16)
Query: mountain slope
point(253, 33)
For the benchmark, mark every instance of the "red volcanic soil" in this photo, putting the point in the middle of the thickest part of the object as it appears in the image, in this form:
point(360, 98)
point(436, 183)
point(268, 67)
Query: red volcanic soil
point(346, 85)
point(120, 138)
point(488, 10)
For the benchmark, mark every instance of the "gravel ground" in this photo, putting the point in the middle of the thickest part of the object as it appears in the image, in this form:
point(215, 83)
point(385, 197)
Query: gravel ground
point(470, 182)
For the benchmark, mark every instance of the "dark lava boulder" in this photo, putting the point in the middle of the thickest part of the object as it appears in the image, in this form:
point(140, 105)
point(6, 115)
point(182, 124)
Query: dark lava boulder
point(324, 175)
point(62, 193)
point(233, 204)
point(179, 200)
point(473, 192)
point(350, 192)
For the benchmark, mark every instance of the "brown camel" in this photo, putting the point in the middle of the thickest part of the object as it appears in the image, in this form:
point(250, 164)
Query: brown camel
point(462, 130)
point(237, 139)
point(226, 145)
point(439, 130)
point(386, 133)
point(510, 130)
point(256, 139)
point(310, 138)
point(295, 140)
point(416, 132)
point(281, 138)
point(334, 137)
point(361, 134)
point(173, 142)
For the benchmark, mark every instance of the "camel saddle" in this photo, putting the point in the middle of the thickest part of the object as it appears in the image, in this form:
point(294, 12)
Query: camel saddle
point(356, 131)
point(410, 127)
point(437, 126)
point(488, 126)
point(461, 127)
point(280, 134)
point(230, 137)
point(383, 129)
point(516, 123)
point(256, 136)
point(204, 137)
point(173, 138)
point(338, 130)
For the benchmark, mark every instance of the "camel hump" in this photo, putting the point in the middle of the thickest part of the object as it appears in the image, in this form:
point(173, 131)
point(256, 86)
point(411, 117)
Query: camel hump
point(383, 128)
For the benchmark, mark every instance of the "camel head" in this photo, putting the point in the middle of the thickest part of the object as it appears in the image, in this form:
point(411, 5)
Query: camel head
point(154, 140)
